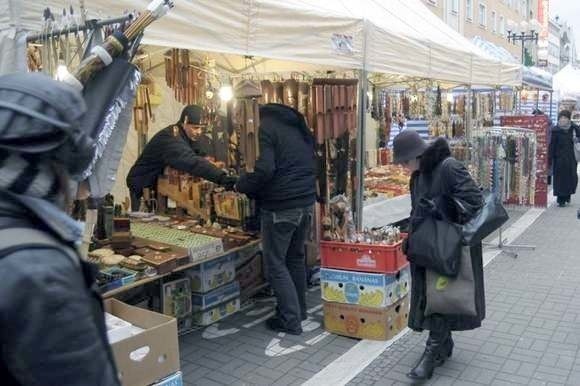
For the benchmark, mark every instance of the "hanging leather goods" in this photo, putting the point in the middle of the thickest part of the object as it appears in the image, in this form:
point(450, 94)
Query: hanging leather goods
point(267, 91)
point(247, 94)
point(337, 116)
point(291, 93)
point(303, 98)
point(278, 92)
point(318, 97)
point(328, 108)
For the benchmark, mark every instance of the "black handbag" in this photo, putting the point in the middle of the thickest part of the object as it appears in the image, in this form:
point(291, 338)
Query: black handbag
point(435, 242)
point(489, 218)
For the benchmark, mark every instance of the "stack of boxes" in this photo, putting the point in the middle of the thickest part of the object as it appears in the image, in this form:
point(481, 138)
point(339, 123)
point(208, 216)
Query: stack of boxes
point(365, 289)
point(216, 293)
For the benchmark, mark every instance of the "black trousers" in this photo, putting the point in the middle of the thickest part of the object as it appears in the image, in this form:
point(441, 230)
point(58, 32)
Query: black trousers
point(135, 199)
point(284, 235)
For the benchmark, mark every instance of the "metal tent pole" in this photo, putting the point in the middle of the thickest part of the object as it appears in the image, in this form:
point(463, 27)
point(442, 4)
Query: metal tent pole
point(360, 146)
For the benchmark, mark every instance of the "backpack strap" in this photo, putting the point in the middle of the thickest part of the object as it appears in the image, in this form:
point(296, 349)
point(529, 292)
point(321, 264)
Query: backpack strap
point(14, 239)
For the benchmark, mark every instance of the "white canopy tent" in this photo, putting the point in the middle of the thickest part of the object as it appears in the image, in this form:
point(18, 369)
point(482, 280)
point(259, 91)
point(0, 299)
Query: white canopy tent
point(395, 37)
point(567, 82)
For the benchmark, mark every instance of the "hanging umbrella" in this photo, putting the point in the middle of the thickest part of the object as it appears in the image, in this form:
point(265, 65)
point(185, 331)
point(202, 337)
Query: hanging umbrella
point(109, 83)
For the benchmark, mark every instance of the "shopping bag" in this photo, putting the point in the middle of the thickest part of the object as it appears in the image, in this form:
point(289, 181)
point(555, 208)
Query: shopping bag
point(452, 295)
point(577, 149)
point(490, 217)
point(434, 242)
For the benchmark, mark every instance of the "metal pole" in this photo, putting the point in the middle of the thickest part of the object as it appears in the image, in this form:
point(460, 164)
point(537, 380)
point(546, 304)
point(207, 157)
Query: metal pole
point(360, 142)
point(551, 104)
point(89, 25)
point(469, 120)
point(523, 53)
point(360, 138)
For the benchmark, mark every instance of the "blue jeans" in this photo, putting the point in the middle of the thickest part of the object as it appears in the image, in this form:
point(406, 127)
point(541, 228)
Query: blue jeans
point(284, 235)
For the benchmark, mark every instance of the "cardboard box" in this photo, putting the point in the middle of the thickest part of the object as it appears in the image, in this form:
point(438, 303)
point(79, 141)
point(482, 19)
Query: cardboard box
point(176, 298)
point(213, 274)
point(157, 345)
point(247, 253)
point(364, 289)
point(365, 322)
point(251, 273)
point(173, 380)
point(220, 295)
point(212, 315)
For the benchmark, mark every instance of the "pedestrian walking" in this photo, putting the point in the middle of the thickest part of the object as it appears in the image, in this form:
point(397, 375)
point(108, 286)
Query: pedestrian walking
point(562, 159)
point(441, 178)
point(284, 185)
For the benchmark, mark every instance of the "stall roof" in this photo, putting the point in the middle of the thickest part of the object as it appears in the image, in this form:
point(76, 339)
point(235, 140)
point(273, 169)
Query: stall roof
point(396, 37)
point(531, 76)
point(567, 82)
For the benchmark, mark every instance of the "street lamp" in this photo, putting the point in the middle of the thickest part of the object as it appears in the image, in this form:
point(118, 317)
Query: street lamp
point(525, 32)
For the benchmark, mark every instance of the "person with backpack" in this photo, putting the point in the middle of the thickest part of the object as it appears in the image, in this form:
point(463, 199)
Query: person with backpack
point(52, 327)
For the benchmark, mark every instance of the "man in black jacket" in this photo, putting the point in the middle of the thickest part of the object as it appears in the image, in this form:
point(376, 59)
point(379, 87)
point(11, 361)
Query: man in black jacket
point(178, 146)
point(284, 185)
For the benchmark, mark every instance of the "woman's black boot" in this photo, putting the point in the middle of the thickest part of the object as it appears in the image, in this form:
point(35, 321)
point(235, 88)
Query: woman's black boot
point(438, 348)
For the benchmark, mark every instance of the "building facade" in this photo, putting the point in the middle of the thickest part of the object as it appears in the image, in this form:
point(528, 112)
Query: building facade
point(568, 54)
point(489, 19)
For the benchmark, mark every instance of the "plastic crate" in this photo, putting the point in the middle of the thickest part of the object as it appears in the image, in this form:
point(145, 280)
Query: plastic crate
point(363, 257)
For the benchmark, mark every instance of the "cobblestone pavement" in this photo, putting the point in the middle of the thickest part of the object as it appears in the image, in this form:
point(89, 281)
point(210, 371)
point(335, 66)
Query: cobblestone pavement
point(530, 335)
point(241, 351)
point(527, 338)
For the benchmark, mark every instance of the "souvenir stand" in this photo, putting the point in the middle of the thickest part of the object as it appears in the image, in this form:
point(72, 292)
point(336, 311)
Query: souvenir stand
point(505, 162)
point(188, 255)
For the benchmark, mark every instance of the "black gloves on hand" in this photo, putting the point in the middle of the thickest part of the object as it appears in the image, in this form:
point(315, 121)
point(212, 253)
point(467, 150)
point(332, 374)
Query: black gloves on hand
point(228, 182)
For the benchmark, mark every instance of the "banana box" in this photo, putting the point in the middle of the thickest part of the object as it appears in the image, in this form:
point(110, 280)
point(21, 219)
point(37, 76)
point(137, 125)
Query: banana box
point(213, 274)
point(212, 315)
point(366, 322)
point(364, 289)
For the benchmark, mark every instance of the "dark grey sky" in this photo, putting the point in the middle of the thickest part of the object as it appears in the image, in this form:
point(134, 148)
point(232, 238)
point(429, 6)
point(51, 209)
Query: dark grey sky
point(568, 10)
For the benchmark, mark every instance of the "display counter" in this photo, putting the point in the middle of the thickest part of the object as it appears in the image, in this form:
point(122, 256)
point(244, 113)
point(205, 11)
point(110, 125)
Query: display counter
point(381, 211)
point(146, 280)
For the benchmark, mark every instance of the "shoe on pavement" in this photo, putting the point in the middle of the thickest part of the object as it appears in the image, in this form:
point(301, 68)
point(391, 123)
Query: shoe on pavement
point(275, 324)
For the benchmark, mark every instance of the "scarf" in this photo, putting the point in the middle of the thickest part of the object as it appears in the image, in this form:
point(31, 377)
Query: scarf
point(564, 124)
point(29, 176)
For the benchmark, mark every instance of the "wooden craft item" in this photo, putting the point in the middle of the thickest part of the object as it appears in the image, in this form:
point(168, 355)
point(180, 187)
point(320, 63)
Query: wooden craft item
point(278, 92)
point(267, 91)
point(247, 119)
point(291, 93)
point(303, 100)
point(162, 262)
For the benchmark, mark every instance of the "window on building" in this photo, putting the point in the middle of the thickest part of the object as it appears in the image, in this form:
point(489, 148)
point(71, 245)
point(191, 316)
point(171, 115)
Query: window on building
point(501, 25)
point(469, 10)
point(493, 21)
point(455, 7)
point(482, 15)
point(509, 3)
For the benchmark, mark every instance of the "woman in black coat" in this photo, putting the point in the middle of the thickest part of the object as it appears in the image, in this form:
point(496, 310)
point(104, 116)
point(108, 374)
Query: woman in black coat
point(562, 159)
point(426, 161)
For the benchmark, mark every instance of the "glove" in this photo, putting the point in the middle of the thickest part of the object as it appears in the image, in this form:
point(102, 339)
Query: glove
point(228, 182)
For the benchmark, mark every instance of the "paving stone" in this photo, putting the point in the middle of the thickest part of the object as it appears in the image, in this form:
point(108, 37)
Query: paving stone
point(222, 378)
point(511, 366)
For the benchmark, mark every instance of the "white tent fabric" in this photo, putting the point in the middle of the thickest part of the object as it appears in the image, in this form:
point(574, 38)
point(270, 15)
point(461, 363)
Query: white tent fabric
point(531, 76)
point(567, 82)
point(396, 37)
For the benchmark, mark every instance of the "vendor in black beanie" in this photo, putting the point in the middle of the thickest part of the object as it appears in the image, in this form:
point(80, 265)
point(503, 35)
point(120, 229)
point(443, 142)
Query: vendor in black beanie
point(178, 146)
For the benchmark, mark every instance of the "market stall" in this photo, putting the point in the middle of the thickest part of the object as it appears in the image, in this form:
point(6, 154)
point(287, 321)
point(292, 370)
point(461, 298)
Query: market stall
point(193, 255)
